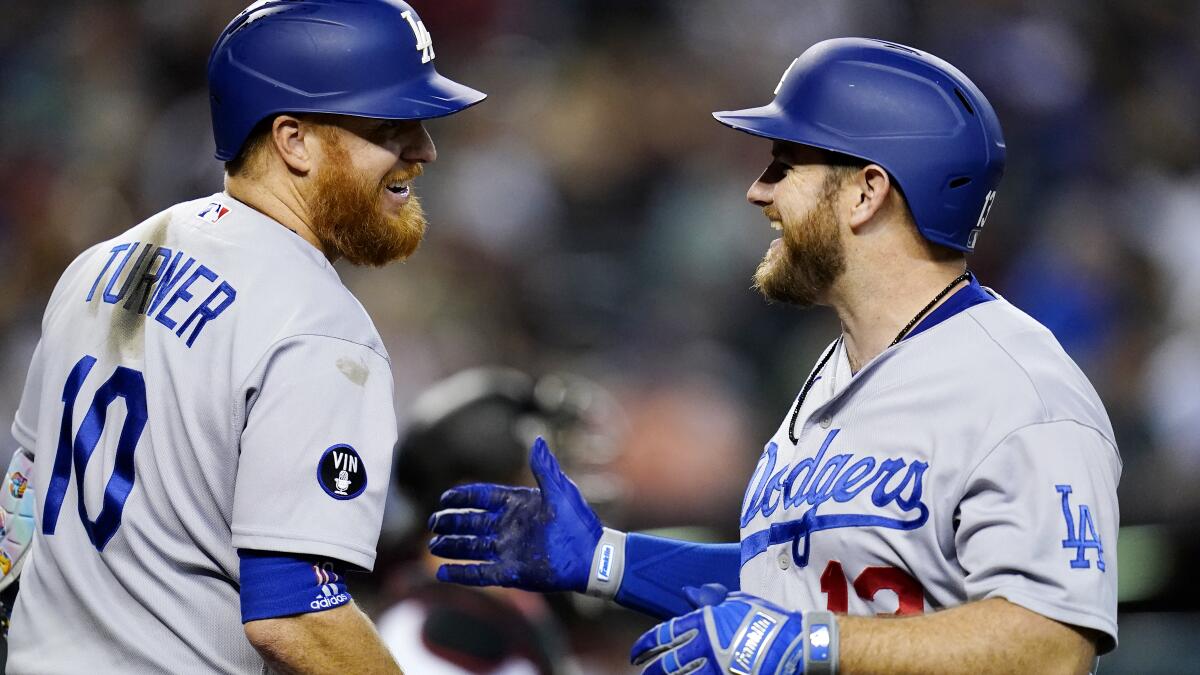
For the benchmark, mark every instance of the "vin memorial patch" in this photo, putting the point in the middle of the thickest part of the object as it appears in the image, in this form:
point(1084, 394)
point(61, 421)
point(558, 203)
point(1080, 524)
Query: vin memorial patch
point(341, 472)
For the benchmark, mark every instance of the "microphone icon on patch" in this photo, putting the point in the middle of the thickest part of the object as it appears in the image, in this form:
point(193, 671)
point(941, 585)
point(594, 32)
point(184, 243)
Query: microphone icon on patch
point(342, 482)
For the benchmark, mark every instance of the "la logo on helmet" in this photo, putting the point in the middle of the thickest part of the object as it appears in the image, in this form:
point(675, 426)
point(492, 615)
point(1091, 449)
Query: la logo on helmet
point(424, 39)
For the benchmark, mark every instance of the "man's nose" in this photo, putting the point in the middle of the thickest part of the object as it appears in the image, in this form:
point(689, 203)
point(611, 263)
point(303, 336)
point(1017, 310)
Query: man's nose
point(419, 149)
point(761, 193)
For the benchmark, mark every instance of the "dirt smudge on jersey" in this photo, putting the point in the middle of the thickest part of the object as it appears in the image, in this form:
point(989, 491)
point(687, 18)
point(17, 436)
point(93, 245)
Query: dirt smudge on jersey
point(127, 331)
point(354, 370)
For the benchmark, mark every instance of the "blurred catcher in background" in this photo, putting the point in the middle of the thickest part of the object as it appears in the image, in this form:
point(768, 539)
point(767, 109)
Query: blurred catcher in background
point(477, 426)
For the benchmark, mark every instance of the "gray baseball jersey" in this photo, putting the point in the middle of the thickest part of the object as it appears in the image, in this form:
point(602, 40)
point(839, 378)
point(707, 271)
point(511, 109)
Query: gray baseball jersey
point(971, 461)
point(203, 383)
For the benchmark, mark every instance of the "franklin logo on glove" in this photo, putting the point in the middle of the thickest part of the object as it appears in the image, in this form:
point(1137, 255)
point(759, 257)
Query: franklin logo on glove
point(746, 652)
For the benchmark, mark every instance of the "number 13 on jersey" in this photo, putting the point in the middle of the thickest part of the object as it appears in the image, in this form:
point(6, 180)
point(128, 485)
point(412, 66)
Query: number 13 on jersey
point(909, 594)
point(76, 449)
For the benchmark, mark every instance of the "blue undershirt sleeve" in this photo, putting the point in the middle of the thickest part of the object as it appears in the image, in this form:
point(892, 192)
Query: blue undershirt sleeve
point(657, 569)
point(285, 584)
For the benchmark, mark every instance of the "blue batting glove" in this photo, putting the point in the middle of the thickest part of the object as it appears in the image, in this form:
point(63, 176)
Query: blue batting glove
point(534, 539)
point(740, 633)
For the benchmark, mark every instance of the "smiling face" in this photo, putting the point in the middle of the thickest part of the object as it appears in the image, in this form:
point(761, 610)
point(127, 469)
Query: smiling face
point(797, 193)
point(363, 208)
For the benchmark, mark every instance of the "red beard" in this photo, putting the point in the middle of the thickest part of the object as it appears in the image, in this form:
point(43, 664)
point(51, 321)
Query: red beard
point(349, 217)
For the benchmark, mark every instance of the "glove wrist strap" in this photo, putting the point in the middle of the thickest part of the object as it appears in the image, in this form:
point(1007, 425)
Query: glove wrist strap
point(608, 565)
point(821, 643)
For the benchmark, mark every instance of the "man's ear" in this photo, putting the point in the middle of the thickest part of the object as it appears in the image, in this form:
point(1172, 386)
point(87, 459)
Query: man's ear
point(291, 139)
point(870, 188)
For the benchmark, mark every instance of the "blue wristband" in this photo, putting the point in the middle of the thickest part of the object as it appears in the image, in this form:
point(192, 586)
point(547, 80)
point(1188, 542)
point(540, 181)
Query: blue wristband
point(283, 584)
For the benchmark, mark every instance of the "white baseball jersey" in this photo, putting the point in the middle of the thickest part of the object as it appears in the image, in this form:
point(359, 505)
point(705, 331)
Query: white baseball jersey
point(970, 461)
point(203, 383)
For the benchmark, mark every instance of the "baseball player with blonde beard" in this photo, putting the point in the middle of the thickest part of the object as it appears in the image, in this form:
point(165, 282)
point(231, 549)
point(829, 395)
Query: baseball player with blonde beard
point(207, 424)
point(944, 461)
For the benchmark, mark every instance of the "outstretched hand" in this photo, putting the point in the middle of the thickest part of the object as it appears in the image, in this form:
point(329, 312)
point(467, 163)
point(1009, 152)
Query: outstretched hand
point(539, 539)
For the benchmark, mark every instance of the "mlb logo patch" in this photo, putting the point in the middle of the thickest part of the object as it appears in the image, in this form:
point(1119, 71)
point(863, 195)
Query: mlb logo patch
point(213, 212)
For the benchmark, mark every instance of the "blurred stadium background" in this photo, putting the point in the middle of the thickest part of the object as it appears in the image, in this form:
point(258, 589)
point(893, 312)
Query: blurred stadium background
point(589, 217)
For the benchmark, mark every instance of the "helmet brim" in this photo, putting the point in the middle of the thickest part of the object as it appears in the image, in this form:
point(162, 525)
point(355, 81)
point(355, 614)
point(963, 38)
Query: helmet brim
point(427, 98)
point(762, 121)
point(769, 121)
point(434, 96)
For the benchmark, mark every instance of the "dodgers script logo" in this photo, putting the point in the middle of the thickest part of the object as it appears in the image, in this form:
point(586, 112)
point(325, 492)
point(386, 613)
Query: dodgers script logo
point(816, 480)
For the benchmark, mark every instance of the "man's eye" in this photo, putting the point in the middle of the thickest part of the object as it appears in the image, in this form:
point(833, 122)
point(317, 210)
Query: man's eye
point(380, 133)
point(389, 129)
point(775, 172)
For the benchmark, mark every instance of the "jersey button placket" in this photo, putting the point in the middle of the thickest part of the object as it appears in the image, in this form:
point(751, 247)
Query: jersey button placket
point(785, 560)
point(825, 421)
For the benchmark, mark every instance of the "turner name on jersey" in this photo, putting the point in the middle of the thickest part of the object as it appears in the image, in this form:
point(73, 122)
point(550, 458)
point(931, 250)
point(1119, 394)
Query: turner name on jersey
point(157, 282)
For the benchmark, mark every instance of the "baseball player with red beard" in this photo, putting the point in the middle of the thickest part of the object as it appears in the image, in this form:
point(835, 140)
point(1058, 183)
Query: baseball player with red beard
point(944, 461)
point(208, 420)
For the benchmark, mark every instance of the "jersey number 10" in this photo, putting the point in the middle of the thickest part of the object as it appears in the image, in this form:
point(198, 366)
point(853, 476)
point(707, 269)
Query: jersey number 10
point(76, 449)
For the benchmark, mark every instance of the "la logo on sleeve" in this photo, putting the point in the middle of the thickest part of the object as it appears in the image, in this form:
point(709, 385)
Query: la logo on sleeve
point(341, 472)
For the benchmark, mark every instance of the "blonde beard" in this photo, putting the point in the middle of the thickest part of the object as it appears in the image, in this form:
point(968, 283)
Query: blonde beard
point(810, 259)
point(348, 217)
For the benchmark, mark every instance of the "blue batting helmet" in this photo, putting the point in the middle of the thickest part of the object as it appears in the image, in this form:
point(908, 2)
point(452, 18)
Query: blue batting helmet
point(366, 58)
point(910, 112)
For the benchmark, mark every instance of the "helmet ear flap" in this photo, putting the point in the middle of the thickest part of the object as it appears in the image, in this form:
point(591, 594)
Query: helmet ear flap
point(368, 58)
point(937, 136)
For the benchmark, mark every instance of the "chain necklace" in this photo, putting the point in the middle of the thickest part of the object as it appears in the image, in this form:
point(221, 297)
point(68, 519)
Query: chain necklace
point(816, 373)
